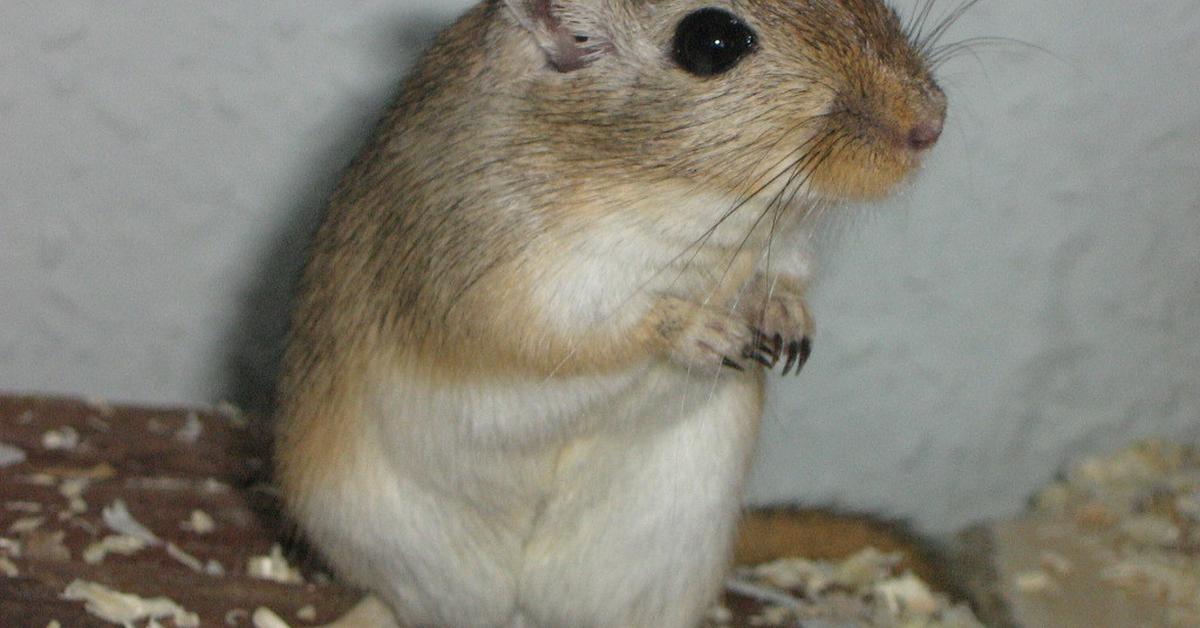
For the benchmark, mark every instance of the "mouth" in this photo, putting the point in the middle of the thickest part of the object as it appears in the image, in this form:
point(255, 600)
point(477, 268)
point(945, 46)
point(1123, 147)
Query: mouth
point(871, 150)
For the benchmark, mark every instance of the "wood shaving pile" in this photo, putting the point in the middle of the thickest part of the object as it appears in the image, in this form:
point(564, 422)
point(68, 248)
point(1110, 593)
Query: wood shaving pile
point(864, 590)
point(1140, 509)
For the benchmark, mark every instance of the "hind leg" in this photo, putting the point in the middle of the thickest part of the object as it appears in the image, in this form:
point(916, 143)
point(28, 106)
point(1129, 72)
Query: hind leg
point(433, 558)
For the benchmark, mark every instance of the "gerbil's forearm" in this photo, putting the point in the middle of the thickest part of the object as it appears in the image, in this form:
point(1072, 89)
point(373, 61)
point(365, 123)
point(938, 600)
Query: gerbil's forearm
point(515, 328)
point(519, 343)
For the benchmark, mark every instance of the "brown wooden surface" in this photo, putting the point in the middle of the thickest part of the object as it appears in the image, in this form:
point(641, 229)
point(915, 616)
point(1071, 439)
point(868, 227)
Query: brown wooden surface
point(162, 479)
point(134, 454)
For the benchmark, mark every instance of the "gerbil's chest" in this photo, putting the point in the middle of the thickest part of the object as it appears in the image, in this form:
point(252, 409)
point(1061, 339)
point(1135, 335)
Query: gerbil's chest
point(653, 241)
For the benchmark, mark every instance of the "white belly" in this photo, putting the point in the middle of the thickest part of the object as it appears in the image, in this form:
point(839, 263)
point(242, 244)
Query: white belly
point(583, 502)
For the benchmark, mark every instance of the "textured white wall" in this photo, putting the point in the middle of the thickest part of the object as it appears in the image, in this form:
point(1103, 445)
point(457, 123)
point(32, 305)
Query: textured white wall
point(1036, 295)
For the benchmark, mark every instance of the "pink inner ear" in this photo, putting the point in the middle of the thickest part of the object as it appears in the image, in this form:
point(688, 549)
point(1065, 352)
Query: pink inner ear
point(567, 56)
point(541, 11)
point(562, 48)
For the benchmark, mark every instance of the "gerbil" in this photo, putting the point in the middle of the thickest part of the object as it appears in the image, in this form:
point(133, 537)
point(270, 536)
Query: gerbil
point(525, 371)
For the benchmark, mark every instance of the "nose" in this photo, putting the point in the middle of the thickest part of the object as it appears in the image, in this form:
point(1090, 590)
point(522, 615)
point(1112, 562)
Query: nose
point(924, 134)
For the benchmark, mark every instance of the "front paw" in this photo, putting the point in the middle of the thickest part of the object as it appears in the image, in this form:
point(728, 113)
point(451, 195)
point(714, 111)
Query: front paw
point(712, 340)
point(775, 309)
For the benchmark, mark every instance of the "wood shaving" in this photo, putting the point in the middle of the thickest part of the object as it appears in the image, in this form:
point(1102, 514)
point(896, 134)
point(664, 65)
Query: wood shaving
point(191, 430)
point(864, 590)
point(1176, 585)
point(10, 455)
point(307, 613)
point(213, 485)
point(8, 568)
point(907, 595)
point(63, 438)
point(73, 489)
point(1151, 531)
point(772, 616)
point(214, 568)
point(10, 547)
point(117, 517)
point(160, 484)
point(189, 561)
point(98, 424)
point(1034, 581)
point(792, 573)
point(40, 479)
point(199, 522)
point(235, 616)
point(273, 567)
point(266, 618)
point(86, 526)
point(126, 608)
point(100, 405)
point(1056, 563)
point(45, 546)
point(1188, 506)
point(26, 525)
point(54, 624)
point(763, 593)
point(125, 545)
point(102, 471)
point(233, 414)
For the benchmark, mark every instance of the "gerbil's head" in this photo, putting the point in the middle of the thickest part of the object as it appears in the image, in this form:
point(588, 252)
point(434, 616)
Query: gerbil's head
point(826, 98)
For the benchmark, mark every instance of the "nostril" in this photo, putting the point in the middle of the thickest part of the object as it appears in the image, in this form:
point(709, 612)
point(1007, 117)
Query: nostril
point(924, 135)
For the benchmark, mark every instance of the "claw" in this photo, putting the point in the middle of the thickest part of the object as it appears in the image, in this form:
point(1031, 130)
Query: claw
point(731, 364)
point(805, 351)
point(756, 354)
point(769, 352)
point(793, 351)
point(761, 345)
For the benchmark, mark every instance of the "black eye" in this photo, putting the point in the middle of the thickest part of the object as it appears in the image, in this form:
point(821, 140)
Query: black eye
point(711, 41)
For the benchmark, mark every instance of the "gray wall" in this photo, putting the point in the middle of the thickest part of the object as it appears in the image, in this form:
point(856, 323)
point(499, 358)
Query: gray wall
point(1035, 296)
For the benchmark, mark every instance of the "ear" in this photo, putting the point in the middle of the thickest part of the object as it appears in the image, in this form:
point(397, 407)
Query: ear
point(568, 31)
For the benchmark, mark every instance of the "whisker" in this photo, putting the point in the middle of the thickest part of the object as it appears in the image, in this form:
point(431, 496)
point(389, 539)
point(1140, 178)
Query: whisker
point(739, 203)
point(800, 171)
point(945, 24)
point(702, 240)
point(941, 54)
point(917, 25)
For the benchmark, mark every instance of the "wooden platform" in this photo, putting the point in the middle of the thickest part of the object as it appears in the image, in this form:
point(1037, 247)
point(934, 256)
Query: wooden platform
point(163, 464)
point(163, 469)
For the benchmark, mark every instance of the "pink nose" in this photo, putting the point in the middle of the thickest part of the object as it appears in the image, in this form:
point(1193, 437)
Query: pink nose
point(924, 135)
